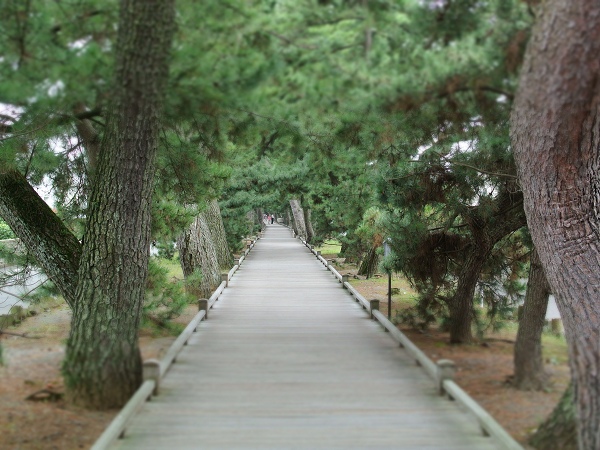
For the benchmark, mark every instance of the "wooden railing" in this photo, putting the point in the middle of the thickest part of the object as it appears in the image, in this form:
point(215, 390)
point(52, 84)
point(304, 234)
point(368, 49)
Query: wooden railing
point(441, 372)
point(155, 370)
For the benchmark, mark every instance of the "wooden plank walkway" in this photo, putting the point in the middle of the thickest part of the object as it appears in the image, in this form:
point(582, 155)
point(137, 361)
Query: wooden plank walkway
point(287, 360)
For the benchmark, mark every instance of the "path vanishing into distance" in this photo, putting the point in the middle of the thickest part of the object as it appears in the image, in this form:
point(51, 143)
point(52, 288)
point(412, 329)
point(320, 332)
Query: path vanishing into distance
point(287, 360)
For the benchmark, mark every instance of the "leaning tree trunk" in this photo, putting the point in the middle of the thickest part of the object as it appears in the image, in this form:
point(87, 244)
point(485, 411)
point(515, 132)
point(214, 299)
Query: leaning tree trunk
point(555, 132)
point(102, 366)
point(529, 363)
point(45, 236)
point(368, 265)
point(559, 430)
point(299, 224)
point(198, 257)
point(219, 238)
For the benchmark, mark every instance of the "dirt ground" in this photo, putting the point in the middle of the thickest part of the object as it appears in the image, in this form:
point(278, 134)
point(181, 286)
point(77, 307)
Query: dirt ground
point(33, 364)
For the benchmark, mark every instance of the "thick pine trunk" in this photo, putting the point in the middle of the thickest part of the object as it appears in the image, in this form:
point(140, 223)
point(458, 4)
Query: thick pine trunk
point(555, 132)
point(299, 224)
point(198, 257)
point(529, 363)
point(219, 238)
point(559, 430)
point(45, 236)
point(102, 365)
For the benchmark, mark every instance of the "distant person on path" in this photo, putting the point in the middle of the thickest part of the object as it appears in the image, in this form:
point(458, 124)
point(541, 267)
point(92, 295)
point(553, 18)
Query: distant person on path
point(272, 219)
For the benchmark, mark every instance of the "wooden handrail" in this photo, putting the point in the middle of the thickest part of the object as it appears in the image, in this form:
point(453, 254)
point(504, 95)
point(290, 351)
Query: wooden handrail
point(232, 271)
point(488, 424)
point(335, 272)
point(359, 298)
point(119, 423)
point(215, 296)
point(177, 345)
point(420, 358)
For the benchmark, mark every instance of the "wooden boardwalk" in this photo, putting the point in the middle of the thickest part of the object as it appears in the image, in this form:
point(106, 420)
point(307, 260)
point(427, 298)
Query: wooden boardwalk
point(286, 360)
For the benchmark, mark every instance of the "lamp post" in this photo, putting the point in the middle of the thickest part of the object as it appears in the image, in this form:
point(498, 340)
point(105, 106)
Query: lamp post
point(386, 251)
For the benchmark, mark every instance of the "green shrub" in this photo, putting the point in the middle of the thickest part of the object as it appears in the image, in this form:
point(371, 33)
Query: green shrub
point(5, 231)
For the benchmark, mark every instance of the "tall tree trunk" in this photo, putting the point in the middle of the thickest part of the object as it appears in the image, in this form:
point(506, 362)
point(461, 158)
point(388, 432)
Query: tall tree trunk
point(298, 212)
point(555, 132)
point(102, 364)
point(251, 218)
point(529, 363)
point(559, 430)
point(259, 218)
point(310, 232)
point(45, 236)
point(219, 238)
point(198, 257)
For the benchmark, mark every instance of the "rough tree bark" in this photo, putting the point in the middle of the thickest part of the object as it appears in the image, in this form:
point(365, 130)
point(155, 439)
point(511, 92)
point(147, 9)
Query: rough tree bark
point(197, 255)
point(298, 212)
point(529, 363)
point(555, 132)
point(559, 430)
point(102, 366)
point(219, 238)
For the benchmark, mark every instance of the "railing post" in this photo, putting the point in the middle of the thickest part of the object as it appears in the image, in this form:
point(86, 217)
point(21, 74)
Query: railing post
point(225, 278)
point(345, 278)
point(374, 304)
point(318, 253)
point(203, 306)
point(151, 371)
point(445, 371)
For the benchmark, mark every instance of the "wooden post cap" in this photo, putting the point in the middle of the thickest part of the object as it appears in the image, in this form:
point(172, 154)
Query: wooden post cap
point(203, 306)
point(225, 278)
point(345, 278)
point(374, 306)
point(151, 371)
point(318, 252)
point(445, 371)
